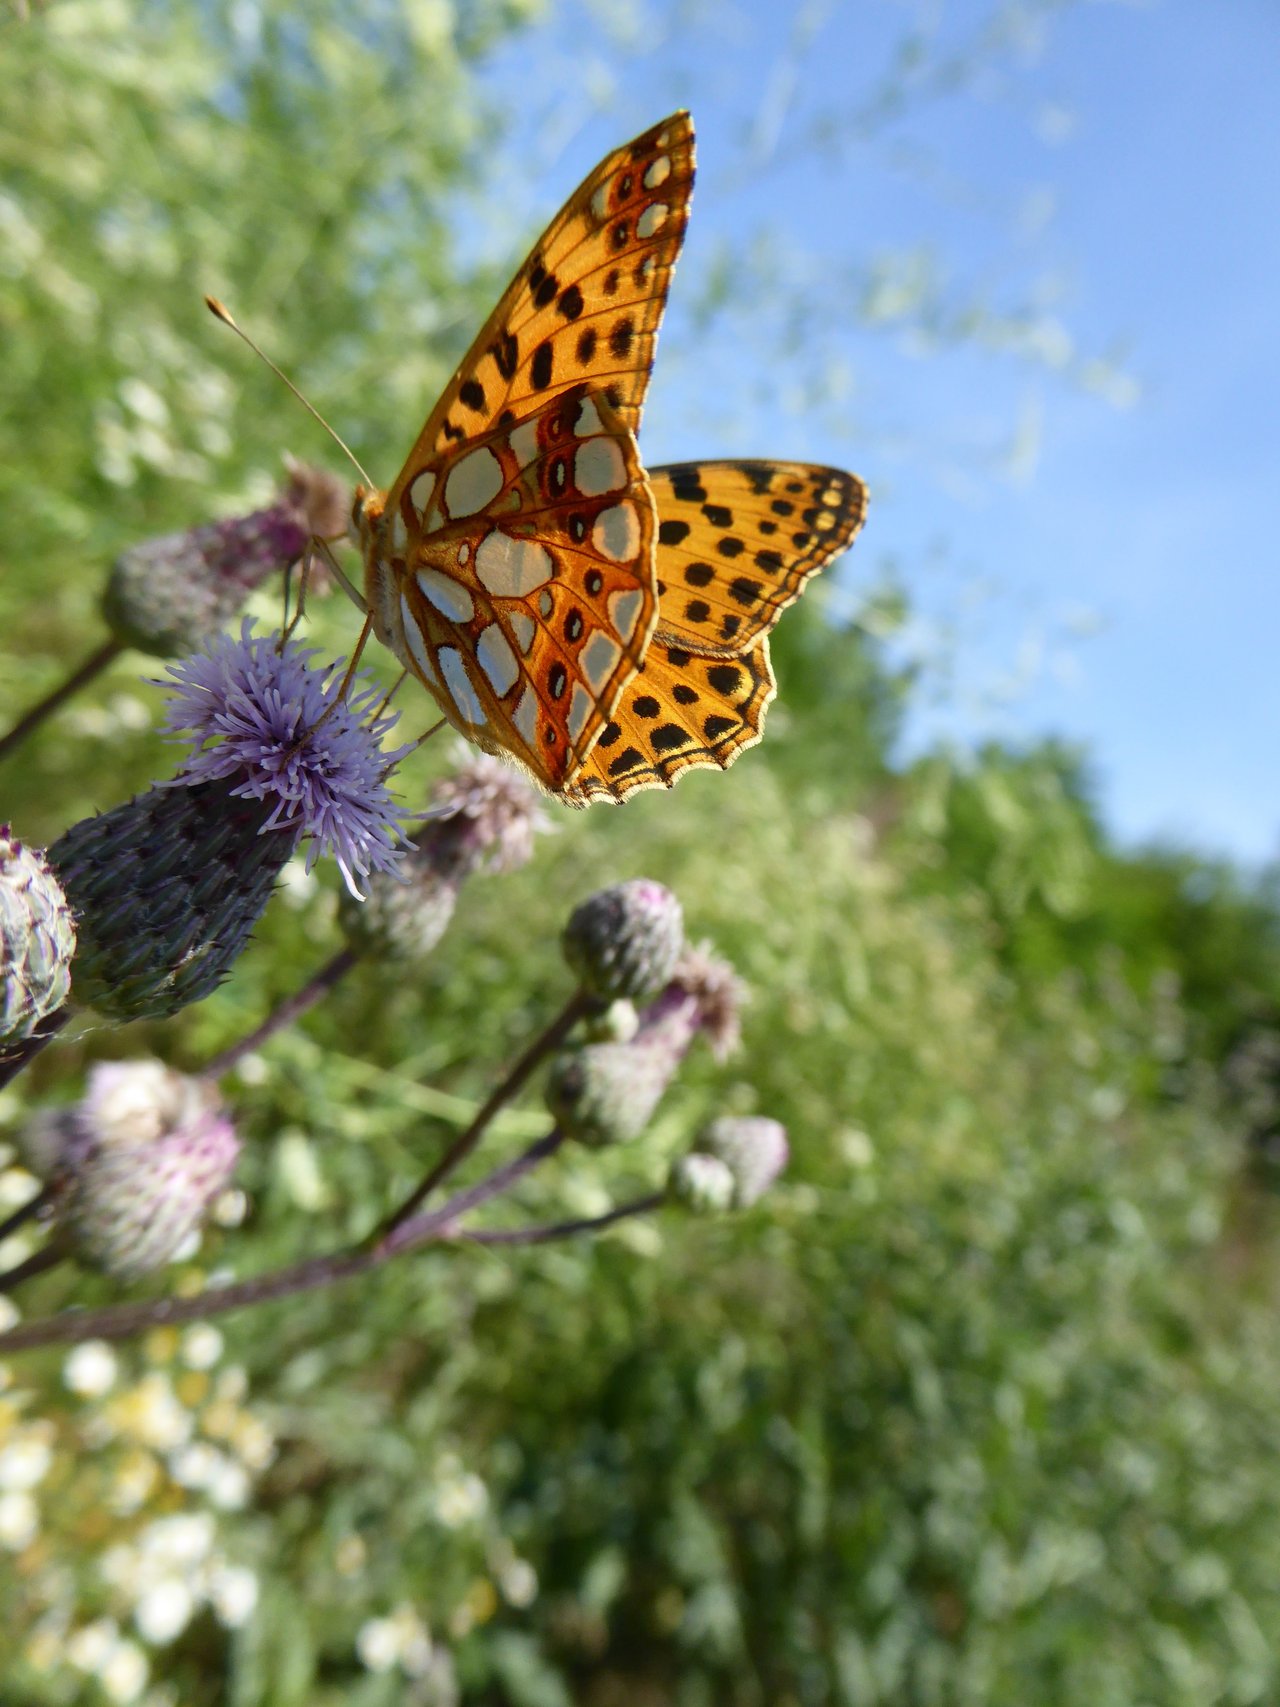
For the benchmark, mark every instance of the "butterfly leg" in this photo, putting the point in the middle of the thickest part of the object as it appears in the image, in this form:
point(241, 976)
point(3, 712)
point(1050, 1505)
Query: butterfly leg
point(340, 575)
point(289, 624)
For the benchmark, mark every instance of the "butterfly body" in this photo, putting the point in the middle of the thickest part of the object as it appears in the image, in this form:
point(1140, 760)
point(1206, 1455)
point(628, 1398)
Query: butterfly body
point(603, 627)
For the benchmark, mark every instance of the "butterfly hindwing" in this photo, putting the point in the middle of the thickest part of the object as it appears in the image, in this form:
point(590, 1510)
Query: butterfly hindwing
point(678, 712)
point(520, 588)
point(584, 307)
point(737, 541)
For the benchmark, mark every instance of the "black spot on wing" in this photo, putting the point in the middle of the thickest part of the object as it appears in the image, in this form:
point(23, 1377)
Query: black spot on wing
point(669, 738)
point(630, 759)
point(540, 369)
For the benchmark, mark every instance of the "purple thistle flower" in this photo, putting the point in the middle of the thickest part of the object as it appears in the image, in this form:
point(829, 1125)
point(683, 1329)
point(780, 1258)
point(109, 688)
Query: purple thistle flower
point(273, 722)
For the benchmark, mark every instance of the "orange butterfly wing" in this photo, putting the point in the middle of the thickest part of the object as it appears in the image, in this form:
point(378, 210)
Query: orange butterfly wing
point(520, 587)
point(585, 305)
point(738, 541)
point(679, 711)
point(581, 315)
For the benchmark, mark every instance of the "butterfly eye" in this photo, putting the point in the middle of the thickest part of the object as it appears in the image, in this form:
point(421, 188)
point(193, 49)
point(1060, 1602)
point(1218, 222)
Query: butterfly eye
point(357, 508)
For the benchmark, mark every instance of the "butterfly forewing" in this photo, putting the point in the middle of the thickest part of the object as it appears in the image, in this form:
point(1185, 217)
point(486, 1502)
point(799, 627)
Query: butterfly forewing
point(519, 586)
point(679, 711)
point(737, 541)
point(585, 305)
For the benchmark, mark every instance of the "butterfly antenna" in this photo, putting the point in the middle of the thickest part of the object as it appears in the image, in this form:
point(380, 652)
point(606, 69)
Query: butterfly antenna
point(221, 312)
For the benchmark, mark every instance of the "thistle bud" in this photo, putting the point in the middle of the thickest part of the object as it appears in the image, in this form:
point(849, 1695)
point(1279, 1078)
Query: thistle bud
point(753, 1148)
point(135, 1165)
point(171, 594)
point(606, 1093)
point(37, 940)
point(702, 1183)
point(625, 940)
point(166, 889)
point(483, 818)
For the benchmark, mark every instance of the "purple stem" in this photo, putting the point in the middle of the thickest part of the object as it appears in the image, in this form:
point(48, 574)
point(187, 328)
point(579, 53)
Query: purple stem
point(291, 1009)
point(122, 1321)
point(553, 1230)
point(578, 1005)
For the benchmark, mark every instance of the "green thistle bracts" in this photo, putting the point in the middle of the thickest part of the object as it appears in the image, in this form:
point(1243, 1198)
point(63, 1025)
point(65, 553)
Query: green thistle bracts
point(37, 940)
point(166, 890)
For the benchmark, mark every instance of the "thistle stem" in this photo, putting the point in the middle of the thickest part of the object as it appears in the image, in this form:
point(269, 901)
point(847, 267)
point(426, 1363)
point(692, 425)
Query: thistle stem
point(92, 666)
point(578, 1005)
point(291, 1009)
point(123, 1321)
point(25, 1211)
point(36, 1263)
point(553, 1230)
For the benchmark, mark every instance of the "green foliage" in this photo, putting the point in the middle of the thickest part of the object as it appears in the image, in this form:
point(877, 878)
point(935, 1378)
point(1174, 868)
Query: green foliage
point(978, 1407)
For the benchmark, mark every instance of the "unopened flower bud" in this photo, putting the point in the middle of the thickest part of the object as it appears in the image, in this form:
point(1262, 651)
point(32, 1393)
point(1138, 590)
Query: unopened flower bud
point(166, 890)
point(135, 1165)
point(625, 940)
point(605, 1093)
point(483, 818)
point(752, 1147)
point(37, 940)
point(702, 1183)
point(171, 594)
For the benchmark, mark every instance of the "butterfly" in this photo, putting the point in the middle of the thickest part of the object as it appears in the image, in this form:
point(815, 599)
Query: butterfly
point(526, 569)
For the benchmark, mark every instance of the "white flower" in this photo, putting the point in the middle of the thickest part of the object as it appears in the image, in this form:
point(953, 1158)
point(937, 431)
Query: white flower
point(202, 1345)
point(24, 1461)
point(378, 1644)
point(150, 1413)
point(233, 1594)
point(180, 1541)
point(461, 1500)
point(91, 1644)
point(164, 1611)
point(519, 1582)
point(19, 1521)
point(253, 1441)
point(229, 1486)
point(135, 1477)
point(91, 1369)
point(124, 1676)
point(197, 1465)
point(10, 1315)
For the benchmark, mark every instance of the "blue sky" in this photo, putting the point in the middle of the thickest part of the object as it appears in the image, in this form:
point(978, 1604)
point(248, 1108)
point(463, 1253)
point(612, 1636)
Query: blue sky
point(1029, 291)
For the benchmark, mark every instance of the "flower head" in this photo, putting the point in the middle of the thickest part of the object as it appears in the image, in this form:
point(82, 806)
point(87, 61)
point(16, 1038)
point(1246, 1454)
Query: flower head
point(482, 818)
point(135, 1164)
point(37, 939)
point(625, 940)
point(170, 594)
point(718, 994)
point(280, 729)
